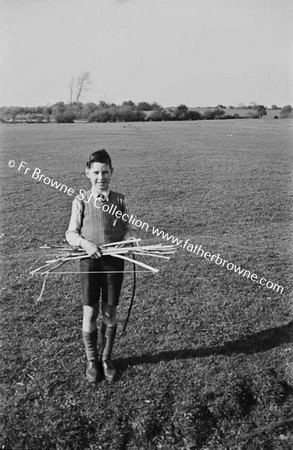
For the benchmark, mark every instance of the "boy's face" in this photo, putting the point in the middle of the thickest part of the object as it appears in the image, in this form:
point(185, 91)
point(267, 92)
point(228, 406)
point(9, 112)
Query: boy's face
point(100, 175)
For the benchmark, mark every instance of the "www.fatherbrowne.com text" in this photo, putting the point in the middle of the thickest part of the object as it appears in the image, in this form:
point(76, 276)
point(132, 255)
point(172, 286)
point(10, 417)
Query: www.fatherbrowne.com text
point(187, 245)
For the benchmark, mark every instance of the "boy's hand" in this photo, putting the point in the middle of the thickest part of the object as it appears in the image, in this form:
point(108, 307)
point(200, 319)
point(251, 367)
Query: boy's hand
point(92, 249)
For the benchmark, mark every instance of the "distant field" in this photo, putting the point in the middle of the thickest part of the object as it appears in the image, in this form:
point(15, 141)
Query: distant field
point(207, 359)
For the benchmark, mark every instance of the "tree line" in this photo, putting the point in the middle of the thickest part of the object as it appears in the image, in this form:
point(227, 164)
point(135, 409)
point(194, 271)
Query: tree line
point(128, 111)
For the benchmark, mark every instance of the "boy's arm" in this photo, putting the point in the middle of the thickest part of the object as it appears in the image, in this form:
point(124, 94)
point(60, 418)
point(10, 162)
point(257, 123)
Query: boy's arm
point(73, 235)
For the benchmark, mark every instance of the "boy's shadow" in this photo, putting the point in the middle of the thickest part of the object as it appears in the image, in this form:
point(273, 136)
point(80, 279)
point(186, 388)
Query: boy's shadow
point(258, 342)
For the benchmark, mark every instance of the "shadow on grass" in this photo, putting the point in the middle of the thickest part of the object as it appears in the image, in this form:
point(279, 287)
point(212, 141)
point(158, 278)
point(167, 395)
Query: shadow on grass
point(258, 342)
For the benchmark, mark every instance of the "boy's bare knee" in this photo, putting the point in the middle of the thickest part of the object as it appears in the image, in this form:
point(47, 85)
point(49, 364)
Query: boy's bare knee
point(90, 313)
point(109, 314)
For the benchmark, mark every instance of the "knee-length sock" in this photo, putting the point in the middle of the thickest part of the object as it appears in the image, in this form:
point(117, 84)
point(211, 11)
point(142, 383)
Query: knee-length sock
point(108, 333)
point(90, 342)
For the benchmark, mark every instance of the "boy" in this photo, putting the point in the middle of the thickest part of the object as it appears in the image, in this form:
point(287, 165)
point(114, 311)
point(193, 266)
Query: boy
point(90, 227)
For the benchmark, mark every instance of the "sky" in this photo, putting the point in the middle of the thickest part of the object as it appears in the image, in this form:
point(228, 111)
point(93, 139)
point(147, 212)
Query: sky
point(195, 52)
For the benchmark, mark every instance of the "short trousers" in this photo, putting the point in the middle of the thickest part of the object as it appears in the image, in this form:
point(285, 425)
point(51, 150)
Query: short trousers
point(108, 282)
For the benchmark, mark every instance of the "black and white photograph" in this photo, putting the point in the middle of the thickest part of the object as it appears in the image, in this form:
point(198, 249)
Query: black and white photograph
point(146, 224)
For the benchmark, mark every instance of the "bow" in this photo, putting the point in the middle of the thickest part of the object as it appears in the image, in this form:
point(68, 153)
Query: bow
point(132, 298)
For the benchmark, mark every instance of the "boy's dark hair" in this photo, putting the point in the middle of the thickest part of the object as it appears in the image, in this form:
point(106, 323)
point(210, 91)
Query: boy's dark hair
point(100, 156)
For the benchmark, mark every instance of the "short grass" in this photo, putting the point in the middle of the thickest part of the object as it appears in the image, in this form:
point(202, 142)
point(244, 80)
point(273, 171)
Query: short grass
point(206, 362)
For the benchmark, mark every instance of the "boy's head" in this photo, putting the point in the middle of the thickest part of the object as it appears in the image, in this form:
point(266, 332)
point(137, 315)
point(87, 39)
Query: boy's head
point(99, 170)
point(100, 156)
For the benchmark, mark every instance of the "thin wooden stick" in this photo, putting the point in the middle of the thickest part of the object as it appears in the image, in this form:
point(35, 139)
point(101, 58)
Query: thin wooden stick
point(121, 242)
point(139, 263)
point(138, 250)
point(73, 258)
point(52, 261)
point(56, 267)
point(43, 288)
point(46, 265)
point(152, 254)
point(92, 271)
point(45, 279)
point(36, 270)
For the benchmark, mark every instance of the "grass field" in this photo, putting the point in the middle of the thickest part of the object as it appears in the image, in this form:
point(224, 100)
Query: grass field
point(206, 362)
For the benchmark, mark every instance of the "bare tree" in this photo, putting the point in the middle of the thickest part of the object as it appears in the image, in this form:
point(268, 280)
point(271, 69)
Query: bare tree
point(71, 90)
point(82, 84)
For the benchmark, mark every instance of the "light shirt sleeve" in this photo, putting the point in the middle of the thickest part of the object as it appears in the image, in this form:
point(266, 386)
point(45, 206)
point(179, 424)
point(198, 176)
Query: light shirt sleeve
point(72, 235)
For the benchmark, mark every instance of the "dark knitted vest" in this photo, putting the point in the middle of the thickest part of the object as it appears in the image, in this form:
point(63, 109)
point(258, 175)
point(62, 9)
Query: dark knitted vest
point(101, 227)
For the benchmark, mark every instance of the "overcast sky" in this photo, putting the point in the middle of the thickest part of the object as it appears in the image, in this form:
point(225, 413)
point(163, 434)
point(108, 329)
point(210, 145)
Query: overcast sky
point(196, 52)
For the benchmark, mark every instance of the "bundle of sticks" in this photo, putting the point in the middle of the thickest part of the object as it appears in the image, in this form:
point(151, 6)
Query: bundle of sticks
point(119, 249)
